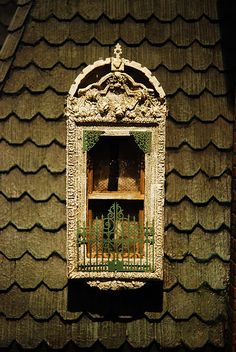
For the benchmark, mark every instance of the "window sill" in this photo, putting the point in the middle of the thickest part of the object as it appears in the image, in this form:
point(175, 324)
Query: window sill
point(116, 195)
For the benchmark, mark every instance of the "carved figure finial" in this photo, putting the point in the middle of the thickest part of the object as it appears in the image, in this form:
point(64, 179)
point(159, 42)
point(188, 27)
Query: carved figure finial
point(117, 63)
point(118, 51)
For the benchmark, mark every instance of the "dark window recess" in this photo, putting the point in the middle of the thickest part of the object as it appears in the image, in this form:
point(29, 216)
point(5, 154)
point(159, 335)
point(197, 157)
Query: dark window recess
point(115, 234)
point(117, 165)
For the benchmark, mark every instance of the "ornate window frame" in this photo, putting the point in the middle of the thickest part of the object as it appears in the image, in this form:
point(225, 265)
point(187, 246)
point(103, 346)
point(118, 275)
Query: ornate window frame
point(106, 99)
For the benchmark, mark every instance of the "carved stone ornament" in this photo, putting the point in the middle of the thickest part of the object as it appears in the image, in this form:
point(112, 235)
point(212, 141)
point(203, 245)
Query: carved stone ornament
point(117, 98)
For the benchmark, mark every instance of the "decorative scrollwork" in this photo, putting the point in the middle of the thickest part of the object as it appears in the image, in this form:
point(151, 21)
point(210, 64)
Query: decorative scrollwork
point(117, 243)
point(116, 98)
point(143, 140)
point(90, 138)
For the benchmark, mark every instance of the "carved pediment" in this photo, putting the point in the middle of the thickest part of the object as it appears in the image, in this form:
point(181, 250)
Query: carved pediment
point(116, 97)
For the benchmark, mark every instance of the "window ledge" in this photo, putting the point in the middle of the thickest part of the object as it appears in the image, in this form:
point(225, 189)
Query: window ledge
point(116, 195)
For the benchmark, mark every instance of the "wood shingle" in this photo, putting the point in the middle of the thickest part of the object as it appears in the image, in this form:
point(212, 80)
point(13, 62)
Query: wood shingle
point(48, 45)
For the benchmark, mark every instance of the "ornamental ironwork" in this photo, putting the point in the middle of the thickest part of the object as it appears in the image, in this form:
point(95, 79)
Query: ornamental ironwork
point(116, 243)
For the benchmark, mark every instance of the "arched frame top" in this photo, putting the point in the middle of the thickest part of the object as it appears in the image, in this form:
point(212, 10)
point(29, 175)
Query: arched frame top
point(116, 90)
point(132, 64)
point(115, 97)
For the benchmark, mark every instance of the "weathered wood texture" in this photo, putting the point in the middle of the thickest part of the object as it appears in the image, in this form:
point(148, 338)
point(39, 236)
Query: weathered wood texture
point(48, 45)
point(7, 10)
point(232, 311)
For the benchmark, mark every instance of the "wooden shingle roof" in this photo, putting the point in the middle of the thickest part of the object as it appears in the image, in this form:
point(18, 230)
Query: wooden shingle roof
point(7, 9)
point(48, 44)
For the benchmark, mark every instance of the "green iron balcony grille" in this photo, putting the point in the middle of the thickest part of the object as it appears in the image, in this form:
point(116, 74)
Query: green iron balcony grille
point(116, 243)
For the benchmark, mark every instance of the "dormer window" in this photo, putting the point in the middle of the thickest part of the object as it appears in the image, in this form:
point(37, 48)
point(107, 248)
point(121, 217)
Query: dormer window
point(115, 174)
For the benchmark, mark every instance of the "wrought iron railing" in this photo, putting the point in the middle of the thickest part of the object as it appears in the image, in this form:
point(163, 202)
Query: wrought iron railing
point(116, 243)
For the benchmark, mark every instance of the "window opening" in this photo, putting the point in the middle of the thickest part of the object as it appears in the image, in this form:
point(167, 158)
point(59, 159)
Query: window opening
point(115, 234)
point(117, 165)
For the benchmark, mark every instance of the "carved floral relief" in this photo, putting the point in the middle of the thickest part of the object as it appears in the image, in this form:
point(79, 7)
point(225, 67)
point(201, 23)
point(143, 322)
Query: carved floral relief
point(116, 98)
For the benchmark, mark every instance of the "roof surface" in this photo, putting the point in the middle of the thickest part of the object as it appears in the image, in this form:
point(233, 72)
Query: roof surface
point(48, 44)
point(7, 10)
